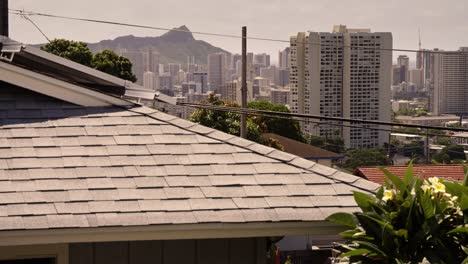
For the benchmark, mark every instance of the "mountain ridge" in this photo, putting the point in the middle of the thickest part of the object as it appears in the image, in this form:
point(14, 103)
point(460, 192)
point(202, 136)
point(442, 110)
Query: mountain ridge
point(173, 46)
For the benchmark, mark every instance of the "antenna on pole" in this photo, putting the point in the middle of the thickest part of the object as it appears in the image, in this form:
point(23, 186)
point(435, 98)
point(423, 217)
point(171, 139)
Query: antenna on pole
point(419, 33)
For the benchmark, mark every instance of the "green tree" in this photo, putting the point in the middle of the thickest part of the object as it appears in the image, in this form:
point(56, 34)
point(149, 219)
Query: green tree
point(225, 121)
point(106, 61)
point(450, 153)
point(72, 50)
point(365, 157)
point(441, 140)
point(109, 62)
point(412, 150)
point(334, 144)
point(286, 127)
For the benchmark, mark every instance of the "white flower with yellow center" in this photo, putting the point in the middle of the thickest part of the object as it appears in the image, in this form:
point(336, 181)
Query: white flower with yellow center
point(433, 180)
point(388, 195)
point(438, 187)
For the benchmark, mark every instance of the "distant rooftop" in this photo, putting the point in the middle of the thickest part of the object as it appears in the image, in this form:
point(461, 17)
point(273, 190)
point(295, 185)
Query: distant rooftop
point(449, 172)
point(344, 29)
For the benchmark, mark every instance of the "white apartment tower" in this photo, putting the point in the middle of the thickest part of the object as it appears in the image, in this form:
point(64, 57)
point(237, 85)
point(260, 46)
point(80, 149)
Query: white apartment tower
point(449, 82)
point(329, 77)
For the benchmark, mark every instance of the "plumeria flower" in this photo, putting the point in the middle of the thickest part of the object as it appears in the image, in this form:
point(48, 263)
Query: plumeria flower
point(433, 180)
point(438, 187)
point(388, 195)
point(458, 211)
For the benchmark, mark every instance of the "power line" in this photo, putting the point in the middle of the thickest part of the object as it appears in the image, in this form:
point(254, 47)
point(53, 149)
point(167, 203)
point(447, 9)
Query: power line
point(30, 13)
point(307, 120)
point(26, 17)
point(340, 119)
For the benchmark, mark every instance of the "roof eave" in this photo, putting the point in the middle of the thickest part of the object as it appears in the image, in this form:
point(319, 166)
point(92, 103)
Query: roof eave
point(167, 232)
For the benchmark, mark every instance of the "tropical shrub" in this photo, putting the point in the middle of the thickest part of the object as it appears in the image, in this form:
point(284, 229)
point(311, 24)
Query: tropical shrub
point(409, 220)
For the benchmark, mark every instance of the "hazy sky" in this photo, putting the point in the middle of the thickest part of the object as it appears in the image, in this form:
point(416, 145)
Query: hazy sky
point(443, 24)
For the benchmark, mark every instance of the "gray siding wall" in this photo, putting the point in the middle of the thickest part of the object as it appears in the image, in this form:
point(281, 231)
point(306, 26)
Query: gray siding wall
point(207, 251)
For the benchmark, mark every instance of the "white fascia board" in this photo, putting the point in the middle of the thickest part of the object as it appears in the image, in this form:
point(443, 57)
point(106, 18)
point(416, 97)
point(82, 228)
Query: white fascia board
point(57, 88)
point(167, 232)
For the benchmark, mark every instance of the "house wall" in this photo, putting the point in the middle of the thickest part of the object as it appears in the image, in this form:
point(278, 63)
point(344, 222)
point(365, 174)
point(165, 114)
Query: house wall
point(207, 251)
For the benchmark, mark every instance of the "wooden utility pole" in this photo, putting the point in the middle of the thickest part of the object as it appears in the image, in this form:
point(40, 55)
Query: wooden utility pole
point(4, 18)
point(243, 128)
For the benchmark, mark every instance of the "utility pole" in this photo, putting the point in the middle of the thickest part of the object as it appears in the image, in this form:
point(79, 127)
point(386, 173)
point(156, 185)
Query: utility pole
point(243, 128)
point(4, 18)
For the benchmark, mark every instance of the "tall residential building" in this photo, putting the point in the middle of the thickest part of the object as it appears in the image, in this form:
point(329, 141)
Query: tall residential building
point(270, 73)
point(137, 59)
point(283, 58)
point(283, 77)
point(335, 80)
point(216, 70)
point(151, 61)
point(403, 63)
point(150, 81)
point(201, 79)
point(449, 82)
point(416, 77)
point(262, 59)
point(280, 96)
point(229, 91)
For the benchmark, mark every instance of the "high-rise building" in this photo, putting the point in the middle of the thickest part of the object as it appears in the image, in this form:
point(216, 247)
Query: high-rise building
point(234, 59)
point(150, 81)
point(416, 77)
point(283, 58)
point(396, 75)
point(449, 82)
point(137, 59)
point(280, 96)
point(336, 80)
point(165, 82)
point(283, 77)
point(403, 63)
point(229, 91)
point(216, 70)
point(262, 59)
point(201, 79)
point(270, 73)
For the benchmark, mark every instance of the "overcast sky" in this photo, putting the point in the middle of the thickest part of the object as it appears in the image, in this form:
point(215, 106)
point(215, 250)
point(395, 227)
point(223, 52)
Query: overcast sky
point(443, 24)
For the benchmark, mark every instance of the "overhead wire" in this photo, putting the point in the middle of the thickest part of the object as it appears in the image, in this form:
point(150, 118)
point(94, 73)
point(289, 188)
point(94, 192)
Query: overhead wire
point(31, 13)
point(284, 115)
point(26, 17)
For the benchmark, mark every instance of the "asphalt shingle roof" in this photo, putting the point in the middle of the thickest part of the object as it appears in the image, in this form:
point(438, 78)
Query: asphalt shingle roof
point(65, 166)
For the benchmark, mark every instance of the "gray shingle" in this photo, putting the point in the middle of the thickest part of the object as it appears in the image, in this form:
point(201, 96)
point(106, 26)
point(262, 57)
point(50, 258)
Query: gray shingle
point(150, 182)
point(61, 221)
point(11, 198)
point(256, 215)
point(232, 180)
point(323, 189)
point(72, 208)
point(11, 223)
point(151, 170)
point(35, 222)
point(251, 203)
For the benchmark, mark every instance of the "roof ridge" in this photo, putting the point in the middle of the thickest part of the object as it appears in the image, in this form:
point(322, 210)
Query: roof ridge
point(286, 158)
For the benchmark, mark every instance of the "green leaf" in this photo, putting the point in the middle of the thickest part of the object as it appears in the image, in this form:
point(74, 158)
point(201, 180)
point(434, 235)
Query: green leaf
point(409, 175)
point(399, 184)
point(372, 247)
point(379, 193)
point(402, 233)
point(461, 229)
point(346, 219)
point(463, 202)
point(355, 252)
point(428, 207)
point(363, 200)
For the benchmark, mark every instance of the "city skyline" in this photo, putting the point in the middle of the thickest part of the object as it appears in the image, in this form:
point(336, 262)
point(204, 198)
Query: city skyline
point(446, 20)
